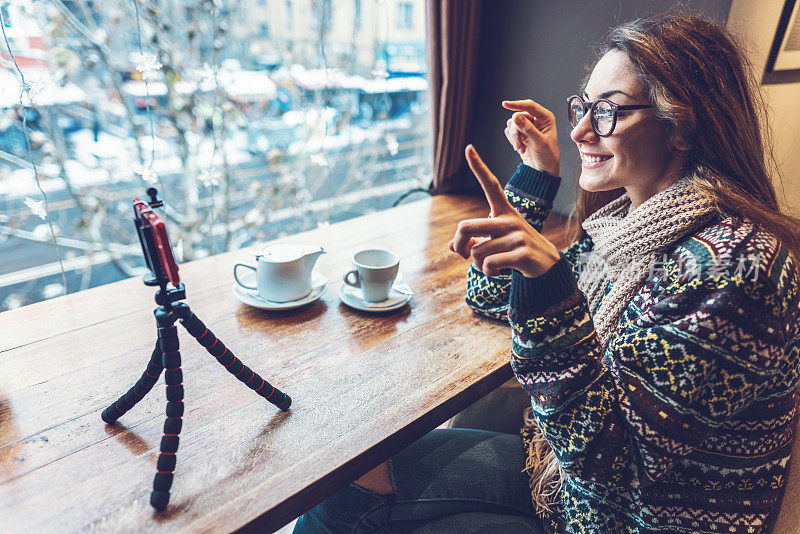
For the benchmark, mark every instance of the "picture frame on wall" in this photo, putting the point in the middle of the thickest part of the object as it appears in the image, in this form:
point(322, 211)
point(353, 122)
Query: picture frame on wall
point(783, 62)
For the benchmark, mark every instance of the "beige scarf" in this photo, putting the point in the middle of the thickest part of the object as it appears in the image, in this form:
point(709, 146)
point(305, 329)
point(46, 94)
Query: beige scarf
point(627, 244)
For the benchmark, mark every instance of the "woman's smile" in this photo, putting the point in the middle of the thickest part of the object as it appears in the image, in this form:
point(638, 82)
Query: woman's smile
point(593, 161)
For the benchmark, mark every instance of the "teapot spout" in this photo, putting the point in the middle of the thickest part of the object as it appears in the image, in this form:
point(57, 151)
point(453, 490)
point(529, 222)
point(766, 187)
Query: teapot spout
point(312, 254)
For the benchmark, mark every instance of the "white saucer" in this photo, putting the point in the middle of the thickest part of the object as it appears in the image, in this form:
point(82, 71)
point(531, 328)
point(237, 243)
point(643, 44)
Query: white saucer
point(352, 296)
point(251, 297)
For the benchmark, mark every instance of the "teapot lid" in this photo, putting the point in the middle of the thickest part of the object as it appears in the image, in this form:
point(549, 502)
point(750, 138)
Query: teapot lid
point(281, 252)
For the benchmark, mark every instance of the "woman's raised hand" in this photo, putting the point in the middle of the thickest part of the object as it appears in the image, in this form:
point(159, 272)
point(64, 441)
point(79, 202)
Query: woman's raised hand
point(512, 242)
point(532, 133)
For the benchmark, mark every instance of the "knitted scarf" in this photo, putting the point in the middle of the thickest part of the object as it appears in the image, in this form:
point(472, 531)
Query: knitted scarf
point(627, 243)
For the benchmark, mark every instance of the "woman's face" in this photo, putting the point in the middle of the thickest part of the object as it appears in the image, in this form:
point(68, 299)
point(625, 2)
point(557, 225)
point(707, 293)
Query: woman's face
point(635, 155)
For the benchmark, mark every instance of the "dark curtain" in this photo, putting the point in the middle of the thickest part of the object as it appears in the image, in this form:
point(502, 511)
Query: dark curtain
point(453, 39)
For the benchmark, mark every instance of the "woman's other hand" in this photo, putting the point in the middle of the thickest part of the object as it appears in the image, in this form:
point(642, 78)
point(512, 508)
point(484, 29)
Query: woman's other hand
point(532, 133)
point(512, 242)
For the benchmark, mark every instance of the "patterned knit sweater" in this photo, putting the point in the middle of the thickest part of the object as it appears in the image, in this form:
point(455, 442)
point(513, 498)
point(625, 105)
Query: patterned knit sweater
point(685, 423)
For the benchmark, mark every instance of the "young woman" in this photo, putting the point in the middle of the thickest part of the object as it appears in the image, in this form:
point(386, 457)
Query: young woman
point(660, 350)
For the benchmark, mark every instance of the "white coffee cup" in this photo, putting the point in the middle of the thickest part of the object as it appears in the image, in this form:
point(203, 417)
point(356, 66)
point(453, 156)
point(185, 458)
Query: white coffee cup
point(374, 273)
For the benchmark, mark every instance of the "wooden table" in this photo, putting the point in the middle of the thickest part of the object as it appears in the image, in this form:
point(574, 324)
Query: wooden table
point(364, 386)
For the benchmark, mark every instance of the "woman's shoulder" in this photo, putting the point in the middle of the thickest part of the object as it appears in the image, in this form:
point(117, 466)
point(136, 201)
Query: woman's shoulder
point(735, 252)
point(730, 239)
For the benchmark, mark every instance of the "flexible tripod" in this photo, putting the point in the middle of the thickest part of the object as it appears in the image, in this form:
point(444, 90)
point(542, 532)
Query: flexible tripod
point(166, 356)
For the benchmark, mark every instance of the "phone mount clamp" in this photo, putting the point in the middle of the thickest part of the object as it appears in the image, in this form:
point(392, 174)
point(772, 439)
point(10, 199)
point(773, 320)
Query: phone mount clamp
point(166, 355)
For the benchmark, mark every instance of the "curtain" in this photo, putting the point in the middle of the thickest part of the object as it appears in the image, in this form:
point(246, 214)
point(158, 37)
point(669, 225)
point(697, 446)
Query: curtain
point(453, 31)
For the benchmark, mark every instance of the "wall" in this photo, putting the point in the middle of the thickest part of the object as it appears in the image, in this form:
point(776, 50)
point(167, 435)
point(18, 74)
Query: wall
point(754, 24)
point(539, 50)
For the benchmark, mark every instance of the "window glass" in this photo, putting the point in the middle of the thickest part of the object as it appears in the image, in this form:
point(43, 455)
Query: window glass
point(255, 119)
point(405, 15)
point(289, 15)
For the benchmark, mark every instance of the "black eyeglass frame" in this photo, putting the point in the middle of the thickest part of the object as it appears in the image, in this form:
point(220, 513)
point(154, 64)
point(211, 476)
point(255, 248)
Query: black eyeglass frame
point(590, 106)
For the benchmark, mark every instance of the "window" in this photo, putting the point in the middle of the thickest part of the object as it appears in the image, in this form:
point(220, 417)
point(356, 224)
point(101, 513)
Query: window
point(324, 12)
point(250, 133)
point(289, 15)
point(405, 15)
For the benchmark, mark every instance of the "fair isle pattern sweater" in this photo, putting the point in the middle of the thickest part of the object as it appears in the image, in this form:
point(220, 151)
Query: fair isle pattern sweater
point(685, 423)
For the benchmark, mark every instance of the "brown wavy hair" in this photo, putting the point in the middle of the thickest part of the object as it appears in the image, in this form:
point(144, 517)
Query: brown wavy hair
point(705, 93)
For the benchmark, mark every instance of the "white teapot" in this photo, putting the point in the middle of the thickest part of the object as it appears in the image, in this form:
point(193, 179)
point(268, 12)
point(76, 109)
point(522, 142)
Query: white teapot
point(283, 271)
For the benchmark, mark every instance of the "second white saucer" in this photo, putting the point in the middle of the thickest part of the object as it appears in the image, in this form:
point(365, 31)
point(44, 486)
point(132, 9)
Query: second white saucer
point(399, 295)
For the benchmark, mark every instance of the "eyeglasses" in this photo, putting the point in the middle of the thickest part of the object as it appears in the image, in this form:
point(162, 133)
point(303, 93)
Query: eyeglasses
point(603, 113)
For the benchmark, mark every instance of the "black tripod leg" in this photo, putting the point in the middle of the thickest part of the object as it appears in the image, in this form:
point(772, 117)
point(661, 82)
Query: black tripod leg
point(234, 365)
point(138, 391)
point(168, 338)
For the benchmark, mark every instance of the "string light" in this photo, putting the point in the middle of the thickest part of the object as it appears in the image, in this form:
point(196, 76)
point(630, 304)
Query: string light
point(36, 207)
point(24, 87)
point(147, 68)
point(385, 75)
point(392, 145)
point(212, 181)
point(323, 108)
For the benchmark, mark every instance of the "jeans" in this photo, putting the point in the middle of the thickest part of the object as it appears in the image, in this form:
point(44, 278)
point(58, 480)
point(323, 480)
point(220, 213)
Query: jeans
point(450, 480)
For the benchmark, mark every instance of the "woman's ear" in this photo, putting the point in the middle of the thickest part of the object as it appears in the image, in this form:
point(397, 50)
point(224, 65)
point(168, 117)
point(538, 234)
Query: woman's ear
point(682, 145)
point(679, 141)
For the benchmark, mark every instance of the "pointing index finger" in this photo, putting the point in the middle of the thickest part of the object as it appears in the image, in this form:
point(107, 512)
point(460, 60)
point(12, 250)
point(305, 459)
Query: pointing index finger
point(525, 105)
point(489, 183)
